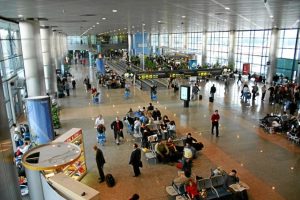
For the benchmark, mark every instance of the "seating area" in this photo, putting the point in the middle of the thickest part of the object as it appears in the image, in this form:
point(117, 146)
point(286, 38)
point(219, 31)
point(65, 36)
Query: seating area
point(214, 187)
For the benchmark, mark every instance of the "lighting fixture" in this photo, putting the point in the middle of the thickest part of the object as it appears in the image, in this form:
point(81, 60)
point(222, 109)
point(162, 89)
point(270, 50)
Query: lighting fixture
point(271, 16)
point(143, 24)
point(103, 18)
point(97, 23)
point(159, 21)
point(94, 26)
point(227, 8)
point(114, 11)
point(119, 29)
point(20, 16)
point(132, 27)
point(125, 28)
point(183, 16)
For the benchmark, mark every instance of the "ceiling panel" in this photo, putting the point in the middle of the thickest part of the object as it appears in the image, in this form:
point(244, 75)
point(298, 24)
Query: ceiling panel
point(74, 17)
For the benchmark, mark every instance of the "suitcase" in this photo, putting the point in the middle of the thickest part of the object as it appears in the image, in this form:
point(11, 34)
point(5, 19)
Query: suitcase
point(110, 181)
point(200, 97)
point(211, 99)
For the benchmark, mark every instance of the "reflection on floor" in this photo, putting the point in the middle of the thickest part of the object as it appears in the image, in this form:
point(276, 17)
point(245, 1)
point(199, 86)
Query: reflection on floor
point(269, 164)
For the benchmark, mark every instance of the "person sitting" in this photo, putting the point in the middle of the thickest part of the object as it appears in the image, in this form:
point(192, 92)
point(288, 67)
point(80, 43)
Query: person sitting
point(165, 119)
point(183, 178)
point(156, 114)
point(192, 191)
point(231, 178)
point(171, 129)
point(162, 151)
point(150, 107)
point(174, 153)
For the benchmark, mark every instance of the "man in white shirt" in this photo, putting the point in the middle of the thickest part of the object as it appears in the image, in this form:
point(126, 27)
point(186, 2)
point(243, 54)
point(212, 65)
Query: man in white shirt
point(99, 120)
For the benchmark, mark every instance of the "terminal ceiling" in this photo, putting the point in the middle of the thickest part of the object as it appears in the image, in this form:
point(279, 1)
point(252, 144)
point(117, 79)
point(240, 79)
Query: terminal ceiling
point(75, 17)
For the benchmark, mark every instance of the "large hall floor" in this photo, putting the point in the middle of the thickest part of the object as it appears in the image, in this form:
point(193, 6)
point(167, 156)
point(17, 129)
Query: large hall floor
point(268, 163)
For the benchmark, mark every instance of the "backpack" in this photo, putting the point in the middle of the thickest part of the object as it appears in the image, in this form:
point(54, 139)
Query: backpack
point(110, 181)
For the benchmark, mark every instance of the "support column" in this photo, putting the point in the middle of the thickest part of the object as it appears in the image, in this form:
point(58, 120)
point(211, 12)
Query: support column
point(231, 53)
point(273, 55)
point(48, 69)
point(58, 51)
point(129, 46)
point(33, 65)
point(204, 49)
point(143, 50)
point(8, 177)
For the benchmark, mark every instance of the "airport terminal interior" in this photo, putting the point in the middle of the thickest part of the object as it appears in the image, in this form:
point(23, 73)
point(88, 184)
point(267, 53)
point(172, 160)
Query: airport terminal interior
point(64, 63)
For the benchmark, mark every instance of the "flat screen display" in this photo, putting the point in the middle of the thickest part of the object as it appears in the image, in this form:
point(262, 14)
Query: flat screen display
point(184, 93)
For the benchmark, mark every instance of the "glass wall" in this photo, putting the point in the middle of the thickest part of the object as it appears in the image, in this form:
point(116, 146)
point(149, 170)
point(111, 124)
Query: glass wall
point(194, 42)
point(154, 42)
point(11, 68)
point(253, 47)
point(217, 47)
point(77, 39)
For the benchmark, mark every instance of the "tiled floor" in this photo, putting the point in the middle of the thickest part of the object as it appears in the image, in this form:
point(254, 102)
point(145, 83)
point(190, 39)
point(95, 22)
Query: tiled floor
point(262, 160)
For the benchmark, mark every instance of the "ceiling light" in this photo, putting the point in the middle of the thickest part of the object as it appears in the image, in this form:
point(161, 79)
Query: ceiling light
point(271, 16)
point(20, 16)
point(125, 28)
point(114, 30)
point(143, 24)
point(103, 18)
point(183, 16)
point(119, 29)
point(94, 26)
point(114, 11)
point(159, 21)
point(227, 8)
point(132, 27)
point(178, 26)
point(97, 23)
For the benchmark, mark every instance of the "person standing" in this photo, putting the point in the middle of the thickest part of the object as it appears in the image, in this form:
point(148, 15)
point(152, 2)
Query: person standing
point(263, 92)
point(100, 163)
point(135, 160)
point(239, 78)
point(254, 91)
point(99, 120)
point(73, 81)
point(67, 88)
point(215, 122)
point(117, 127)
point(213, 90)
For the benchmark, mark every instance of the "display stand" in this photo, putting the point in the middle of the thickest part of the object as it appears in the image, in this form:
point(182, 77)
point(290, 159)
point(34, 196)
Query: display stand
point(78, 169)
point(71, 189)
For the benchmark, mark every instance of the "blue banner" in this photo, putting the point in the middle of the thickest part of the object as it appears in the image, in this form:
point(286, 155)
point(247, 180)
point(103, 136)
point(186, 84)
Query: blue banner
point(40, 119)
point(193, 64)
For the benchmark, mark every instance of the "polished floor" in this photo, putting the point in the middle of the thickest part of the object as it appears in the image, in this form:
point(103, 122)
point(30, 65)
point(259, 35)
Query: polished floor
point(268, 163)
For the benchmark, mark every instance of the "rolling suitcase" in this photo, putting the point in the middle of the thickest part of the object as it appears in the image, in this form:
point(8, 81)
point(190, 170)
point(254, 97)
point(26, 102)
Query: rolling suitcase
point(110, 181)
point(211, 99)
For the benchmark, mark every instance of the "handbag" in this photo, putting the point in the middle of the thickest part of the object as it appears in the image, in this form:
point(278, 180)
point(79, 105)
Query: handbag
point(141, 164)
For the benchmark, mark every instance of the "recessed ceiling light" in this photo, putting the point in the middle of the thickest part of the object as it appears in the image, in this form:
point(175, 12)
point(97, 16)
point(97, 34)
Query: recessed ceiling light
point(158, 21)
point(97, 23)
point(125, 28)
point(103, 18)
point(114, 30)
point(275, 26)
point(183, 16)
point(94, 26)
point(20, 15)
point(119, 29)
point(114, 11)
point(178, 26)
point(227, 8)
point(143, 24)
point(132, 27)
point(271, 16)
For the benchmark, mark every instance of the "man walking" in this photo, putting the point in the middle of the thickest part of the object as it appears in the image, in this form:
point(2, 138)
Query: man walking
point(117, 126)
point(135, 160)
point(100, 163)
point(215, 122)
point(213, 90)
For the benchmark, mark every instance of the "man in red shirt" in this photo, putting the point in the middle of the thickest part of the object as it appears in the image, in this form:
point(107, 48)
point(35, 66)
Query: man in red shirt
point(215, 122)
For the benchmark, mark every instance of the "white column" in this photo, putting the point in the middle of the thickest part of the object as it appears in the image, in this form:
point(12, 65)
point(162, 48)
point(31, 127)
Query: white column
point(48, 68)
point(129, 46)
point(204, 49)
point(231, 50)
point(273, 55)
point(143, 50)
point(31, 48)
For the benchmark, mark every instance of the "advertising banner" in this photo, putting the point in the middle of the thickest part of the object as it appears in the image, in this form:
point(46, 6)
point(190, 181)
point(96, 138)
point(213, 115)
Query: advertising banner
point(40, 119)
point(246, 68)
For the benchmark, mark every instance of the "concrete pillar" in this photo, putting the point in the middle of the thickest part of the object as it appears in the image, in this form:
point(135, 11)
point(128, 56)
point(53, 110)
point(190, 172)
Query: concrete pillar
point(143, 50)
point(33, 65)
point(204, 49)
point(231, 52)
point(273, 55)
point(58, 50)
point(54, 49)
point(9, 188)
point(48, 68)
point(129, 46)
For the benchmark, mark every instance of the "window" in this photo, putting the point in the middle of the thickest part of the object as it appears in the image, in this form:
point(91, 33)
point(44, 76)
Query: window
point(217, 47)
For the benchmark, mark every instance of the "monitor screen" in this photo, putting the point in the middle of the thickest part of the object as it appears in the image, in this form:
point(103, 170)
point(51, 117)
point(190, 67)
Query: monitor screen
point(184, 93)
